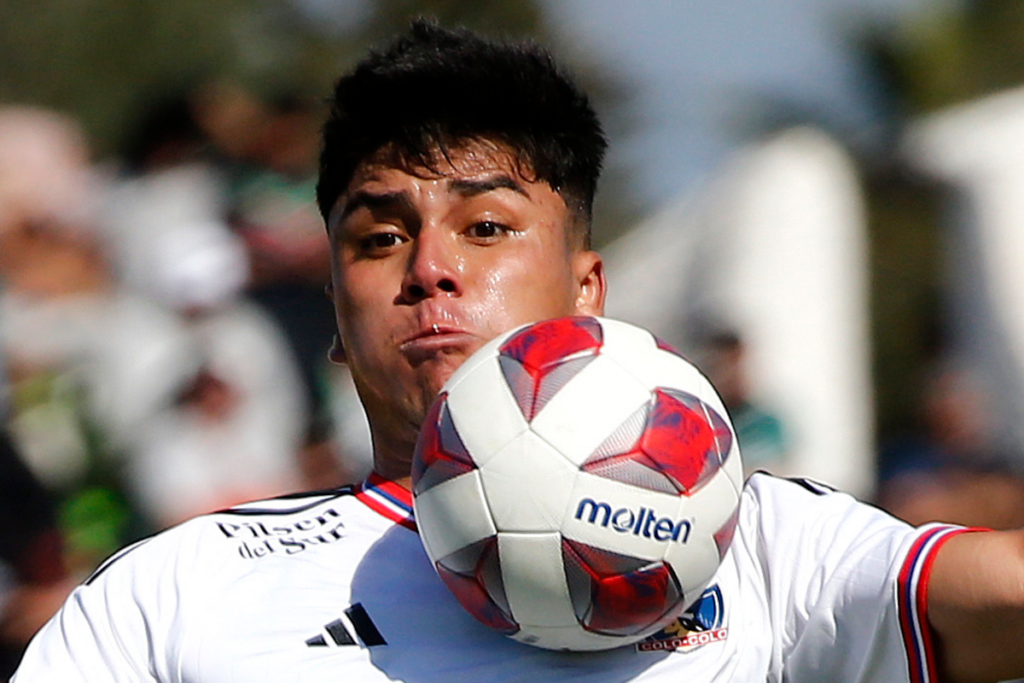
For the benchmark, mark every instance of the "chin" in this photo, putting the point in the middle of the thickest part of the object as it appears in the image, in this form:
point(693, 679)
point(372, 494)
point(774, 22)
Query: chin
point(436, 371)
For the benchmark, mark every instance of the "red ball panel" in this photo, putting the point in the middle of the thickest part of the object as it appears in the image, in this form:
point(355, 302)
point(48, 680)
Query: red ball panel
point(538, 360)
point(680, 441)
point(473, 575)
point(680, 445)
point(665, 346)
point(440, 454)
point(550, 341)
point(618, 595)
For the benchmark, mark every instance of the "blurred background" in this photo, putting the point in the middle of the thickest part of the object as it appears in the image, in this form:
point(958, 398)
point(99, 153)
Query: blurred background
point(816, 200)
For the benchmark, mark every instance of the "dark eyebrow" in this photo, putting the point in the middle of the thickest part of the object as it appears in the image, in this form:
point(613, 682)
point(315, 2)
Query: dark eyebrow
point(401, 200)
point(375, 200)
point(472, 188)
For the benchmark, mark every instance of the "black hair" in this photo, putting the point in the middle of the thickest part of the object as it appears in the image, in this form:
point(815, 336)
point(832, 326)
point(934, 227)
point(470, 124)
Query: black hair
point(433, 89)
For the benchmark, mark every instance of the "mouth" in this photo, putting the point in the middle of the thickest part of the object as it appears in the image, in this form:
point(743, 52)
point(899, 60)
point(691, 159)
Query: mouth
point(431, 341)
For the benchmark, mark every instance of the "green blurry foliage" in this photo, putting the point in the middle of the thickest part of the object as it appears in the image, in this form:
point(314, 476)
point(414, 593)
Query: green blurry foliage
point(101, 60)
point(953, 52)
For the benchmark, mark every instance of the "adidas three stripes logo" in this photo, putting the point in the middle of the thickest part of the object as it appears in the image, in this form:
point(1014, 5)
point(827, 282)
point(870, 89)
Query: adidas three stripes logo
point(365, 630)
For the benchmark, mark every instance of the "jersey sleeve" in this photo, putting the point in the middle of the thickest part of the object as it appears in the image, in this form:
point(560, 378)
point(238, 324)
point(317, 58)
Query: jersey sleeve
point(120, 625)
point(98, 634)
point(846, 584)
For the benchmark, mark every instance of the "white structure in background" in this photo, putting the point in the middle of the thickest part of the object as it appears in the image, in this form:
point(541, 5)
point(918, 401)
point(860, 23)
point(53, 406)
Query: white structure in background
point(774, 247)
point(978, 149)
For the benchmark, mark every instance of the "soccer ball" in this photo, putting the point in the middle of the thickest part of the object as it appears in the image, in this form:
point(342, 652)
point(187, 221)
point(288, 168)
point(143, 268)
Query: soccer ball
point(576, 484)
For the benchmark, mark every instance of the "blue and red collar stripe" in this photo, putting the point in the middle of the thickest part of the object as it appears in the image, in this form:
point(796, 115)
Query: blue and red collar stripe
point(388, 499)
point(913, 602)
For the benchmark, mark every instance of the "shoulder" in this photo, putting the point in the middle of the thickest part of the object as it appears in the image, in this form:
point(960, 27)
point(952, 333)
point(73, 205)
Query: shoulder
point(180, 589)
point(192, 547)
point(214, 559)
point(802, 518)
point(835, 569)
point(800, 532)
point(769, 494)
point(767, 499)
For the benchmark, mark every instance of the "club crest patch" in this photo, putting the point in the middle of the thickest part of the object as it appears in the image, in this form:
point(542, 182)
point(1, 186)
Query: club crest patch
point(698, 626)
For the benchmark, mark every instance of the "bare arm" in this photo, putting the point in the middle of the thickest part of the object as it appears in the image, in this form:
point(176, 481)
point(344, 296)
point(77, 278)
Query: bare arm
point(976, 606)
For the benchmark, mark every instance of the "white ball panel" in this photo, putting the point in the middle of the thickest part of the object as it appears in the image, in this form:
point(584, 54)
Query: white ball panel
point(711, 505)
point(625, 504)
point(485, 354)
point(528, 485)
point(696, 561)
point(695, 565)
point(574, 423)
point(452, 515)
point(663, 369)
point(535, 584)
point(484, 411)
point(623, 339)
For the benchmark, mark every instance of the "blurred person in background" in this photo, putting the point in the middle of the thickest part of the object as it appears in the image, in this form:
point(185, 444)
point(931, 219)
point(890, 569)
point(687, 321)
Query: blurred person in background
point(55, 309)
point(268, 153)
point(759, 431)
point(951, 469)
point(135, 368)
point(50, 281)
point(228, 417)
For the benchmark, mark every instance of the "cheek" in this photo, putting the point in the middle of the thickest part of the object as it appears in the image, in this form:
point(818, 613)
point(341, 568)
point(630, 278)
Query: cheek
point(358, 315)
point(359, 291)
point(527, 291)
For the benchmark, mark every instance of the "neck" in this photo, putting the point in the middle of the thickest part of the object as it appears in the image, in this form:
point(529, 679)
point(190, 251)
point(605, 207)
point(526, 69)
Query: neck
point(393, 460)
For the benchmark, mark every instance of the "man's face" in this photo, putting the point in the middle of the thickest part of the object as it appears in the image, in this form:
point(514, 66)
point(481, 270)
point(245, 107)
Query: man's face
point(427, 267)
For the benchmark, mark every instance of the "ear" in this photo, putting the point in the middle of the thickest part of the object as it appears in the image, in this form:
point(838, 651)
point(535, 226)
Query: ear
point(588, 268)
point(336, 354)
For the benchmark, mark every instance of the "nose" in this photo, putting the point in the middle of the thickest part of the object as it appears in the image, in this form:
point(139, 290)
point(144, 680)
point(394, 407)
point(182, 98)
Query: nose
point(432, 269)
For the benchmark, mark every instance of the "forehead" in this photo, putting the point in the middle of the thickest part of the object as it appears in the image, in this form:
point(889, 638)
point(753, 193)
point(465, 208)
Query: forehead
point(469, 156)
point(473, 171)
point(470, 160)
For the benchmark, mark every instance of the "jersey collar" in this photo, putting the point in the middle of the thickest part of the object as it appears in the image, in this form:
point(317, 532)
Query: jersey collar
point(388, 499)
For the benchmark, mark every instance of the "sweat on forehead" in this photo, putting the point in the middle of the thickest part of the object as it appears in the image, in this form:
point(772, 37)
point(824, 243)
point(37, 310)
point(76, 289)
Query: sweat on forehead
point(469, 169)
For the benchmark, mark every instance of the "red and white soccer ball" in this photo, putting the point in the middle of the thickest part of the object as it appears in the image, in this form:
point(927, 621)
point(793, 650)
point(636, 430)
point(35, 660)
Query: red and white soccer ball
point(576, 484)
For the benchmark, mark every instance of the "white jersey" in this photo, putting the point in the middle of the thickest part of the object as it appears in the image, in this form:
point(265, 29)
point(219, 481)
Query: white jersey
point(336, 587)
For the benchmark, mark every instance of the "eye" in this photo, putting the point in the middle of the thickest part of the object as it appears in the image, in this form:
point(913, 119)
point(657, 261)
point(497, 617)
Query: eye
point(487, 230)
point(379, 242)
